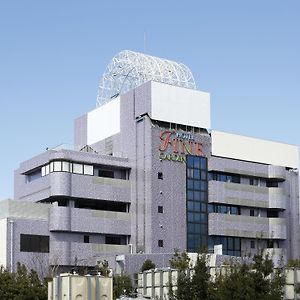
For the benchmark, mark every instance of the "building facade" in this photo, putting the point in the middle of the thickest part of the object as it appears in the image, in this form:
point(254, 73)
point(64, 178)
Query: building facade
point(147, 175)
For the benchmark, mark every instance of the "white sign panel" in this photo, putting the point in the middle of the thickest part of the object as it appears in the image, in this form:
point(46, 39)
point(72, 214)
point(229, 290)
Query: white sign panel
point(253, 149)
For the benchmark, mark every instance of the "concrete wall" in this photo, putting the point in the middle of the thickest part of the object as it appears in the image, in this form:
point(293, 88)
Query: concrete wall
point(36, 261)
point(3, 242)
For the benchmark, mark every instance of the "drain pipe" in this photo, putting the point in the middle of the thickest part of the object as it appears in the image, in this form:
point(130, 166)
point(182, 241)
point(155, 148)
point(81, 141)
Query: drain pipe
point(11, 222)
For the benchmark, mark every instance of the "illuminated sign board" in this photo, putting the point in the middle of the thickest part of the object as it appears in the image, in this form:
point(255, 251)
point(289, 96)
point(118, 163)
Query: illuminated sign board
point(175, 145)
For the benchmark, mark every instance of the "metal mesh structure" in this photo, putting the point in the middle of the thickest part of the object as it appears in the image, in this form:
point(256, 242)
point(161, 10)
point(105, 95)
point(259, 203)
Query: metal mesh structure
point(129, 69)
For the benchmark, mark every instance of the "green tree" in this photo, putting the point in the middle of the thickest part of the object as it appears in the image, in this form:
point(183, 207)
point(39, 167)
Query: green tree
point(147, 265)
point(247, 281)
point(200, 282)
point(103, 268)
point(122, 285)
point(236, 284)
point(180, 261)
point(193, 285)
point(21, 285)
point(293, 263)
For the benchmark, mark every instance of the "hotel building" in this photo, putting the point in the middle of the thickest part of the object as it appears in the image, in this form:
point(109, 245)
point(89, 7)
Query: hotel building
point(148, 175)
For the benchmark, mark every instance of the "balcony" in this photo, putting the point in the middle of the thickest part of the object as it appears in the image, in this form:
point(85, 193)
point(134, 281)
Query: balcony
point(246, 195)
point(276, 172)
point(92, 187)
point(246, 168)
point(246, 226)
point(82, 254)
point(86, 254)
point(87, 220)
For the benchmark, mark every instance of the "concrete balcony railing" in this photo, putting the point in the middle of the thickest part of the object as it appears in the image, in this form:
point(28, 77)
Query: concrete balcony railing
point(246, 226)
point(82, 254)
point(60, 253)
point(246, 168)
point(92, 187)
point(86, 220)
point(279, 252)
point(246, 195)
point(86, 254)
point(276, 172)
point(277, 228)
point(59, 218)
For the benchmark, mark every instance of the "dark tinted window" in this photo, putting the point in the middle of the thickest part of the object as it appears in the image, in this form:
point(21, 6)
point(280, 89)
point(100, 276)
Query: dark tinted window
point(113, 240)
point(86, 238)
point(272, 184)
point(230, 245)
point(106, 173)
point(197, 217)
point(272, 213)
point(34, 243)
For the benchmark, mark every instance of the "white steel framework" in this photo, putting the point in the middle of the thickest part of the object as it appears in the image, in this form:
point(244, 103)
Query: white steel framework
point(129, 69)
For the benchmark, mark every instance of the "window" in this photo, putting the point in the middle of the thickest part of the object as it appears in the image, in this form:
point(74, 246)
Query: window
point(190, 173)
point(272, 213)
point(113, 240)
point(86, 239)
point(47, 169)
point(234, 210)
point(44, 171)
point(272, 244)
point(218, 176)
point(197, 216)
point(160, 209)
point(224, 209)
point(252, 244)
point(230, 245)
point(236, 179)
point(77, 168)
point(252, 212)
point(160, 243)
point(65, 166)
point(88, 170)
point(34, 243)
point(33, 175)
point(106, 173)
point(160, 175)
point(57, 166)
point(272, 183)
point(254, 181)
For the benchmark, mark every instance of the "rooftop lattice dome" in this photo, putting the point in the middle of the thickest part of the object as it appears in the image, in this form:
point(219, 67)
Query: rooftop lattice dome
point(129, 69)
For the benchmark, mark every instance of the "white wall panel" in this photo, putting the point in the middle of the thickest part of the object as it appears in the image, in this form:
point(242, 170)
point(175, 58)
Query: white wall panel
point(253, 149)
point(180, 105)
point(103, 121)
point(3, 239)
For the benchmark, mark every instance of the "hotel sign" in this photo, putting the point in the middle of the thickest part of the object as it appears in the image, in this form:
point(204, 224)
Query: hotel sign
point(176, 144)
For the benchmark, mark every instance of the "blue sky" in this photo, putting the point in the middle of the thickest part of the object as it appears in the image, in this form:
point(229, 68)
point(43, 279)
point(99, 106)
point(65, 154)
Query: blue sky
point(53, 53)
